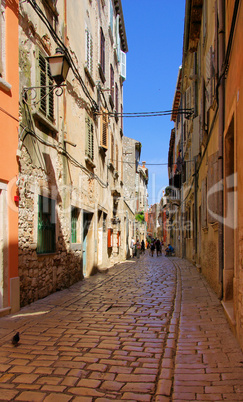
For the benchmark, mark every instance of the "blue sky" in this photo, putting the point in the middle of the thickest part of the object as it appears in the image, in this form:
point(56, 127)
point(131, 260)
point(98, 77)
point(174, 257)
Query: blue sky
point(154, 31)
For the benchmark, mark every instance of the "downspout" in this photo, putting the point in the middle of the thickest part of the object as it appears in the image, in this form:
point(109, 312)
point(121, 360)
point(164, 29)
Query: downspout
point(221, 103)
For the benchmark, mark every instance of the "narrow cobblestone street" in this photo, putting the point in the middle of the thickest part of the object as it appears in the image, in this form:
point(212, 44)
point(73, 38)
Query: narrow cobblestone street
point(146, 330)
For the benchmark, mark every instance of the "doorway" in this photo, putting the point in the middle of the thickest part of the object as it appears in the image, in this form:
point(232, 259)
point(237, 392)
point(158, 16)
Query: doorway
point(229, 214)
point(87, 219)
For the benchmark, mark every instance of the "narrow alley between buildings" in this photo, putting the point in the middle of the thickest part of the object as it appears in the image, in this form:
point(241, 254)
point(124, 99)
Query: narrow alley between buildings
point(149, 329)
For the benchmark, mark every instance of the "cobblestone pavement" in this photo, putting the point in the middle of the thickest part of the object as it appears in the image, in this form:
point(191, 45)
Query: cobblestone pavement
point(147, 330)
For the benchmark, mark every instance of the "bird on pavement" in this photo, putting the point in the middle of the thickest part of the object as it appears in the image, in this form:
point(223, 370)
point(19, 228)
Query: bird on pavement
point(15, 340)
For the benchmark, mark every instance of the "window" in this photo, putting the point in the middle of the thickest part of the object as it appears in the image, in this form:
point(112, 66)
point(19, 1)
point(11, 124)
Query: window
point(111, 17)
point(118, 41)
point(102, 56)
point(46, 235)
point(116, 157)
point(111, 86)
point(117, 97)
point(104, 129)
point(89, 148)
point(75, 225)
point(2, 38)
point(46, 98)
point(123, 66)
point(121, 117)
point(89, 51)
point(102, 51)
point(112, 148)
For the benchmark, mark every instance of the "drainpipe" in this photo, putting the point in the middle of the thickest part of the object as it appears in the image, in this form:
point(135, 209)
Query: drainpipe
point(221, 103)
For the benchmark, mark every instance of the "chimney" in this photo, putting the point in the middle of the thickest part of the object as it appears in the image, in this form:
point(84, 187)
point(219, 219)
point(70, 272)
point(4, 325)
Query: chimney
point(144, 163)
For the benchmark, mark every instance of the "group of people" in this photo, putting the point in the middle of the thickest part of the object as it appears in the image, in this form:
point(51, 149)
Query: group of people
point(155, 245)
point(137, 247)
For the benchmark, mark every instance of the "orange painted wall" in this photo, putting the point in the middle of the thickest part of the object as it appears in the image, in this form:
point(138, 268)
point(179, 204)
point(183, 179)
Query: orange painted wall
point(9, 109)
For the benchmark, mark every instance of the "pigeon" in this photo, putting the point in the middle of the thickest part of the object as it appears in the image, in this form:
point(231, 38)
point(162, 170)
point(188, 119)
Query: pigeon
point(15, 340)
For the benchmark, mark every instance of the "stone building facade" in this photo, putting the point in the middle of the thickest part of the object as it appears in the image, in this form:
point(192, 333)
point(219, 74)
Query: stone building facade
point(71, 216)
point(208, 125)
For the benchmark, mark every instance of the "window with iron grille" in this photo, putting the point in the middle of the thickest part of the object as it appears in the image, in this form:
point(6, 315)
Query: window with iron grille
point(46, 235)
point(89, 148)
point(46, 97)
point(102, 51)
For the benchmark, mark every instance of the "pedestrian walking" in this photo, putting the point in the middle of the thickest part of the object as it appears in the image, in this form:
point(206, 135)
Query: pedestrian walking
point(138, 248)
point(152, 248)
point(132, 245)
point(158, 247)
point(142, 247)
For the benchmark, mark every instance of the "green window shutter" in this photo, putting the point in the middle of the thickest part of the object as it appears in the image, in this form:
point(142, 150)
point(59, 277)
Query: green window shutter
point(46, 235)
point(46, 102)
point(74, 221)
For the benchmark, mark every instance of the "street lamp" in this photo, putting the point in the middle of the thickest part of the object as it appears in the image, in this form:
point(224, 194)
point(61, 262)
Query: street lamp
point(59, 66)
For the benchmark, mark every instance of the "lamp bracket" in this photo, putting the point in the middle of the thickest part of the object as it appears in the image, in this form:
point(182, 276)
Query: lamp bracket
point(57, 89)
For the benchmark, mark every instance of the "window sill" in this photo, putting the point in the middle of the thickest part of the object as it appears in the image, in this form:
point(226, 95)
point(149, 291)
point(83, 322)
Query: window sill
point(89, 162)
point(87, 72)
point(52, 7)
point(45, 254)
point(102, 150)
point(101, 72)
point(44, 120)
point(5, 85)
point(76, 246)
point(111, 102)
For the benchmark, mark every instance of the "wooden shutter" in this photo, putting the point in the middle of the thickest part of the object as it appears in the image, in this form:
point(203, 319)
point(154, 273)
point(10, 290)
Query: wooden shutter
point(123, 65)
point(89, 149)
point(46, 102)
point(111, 16)
point(109, 238)
point(104, 129)
point(118, 41)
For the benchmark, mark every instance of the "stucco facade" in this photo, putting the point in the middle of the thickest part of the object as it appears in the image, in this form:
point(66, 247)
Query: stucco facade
point(71, 218)
point(9, 117)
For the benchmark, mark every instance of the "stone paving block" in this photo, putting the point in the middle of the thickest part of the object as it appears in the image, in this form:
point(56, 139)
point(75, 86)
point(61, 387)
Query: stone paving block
point(30, 396)
point(131, 396)
point(164, 387)
point(139, 387)
point(82, 391)
point(8, 394)
point(54, 397)
point(25, 378)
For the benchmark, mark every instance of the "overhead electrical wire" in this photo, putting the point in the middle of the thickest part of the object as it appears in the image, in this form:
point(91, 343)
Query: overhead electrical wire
point(60, 44)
